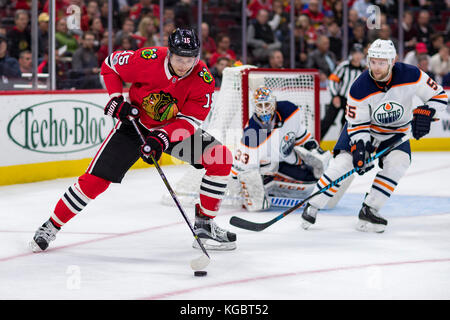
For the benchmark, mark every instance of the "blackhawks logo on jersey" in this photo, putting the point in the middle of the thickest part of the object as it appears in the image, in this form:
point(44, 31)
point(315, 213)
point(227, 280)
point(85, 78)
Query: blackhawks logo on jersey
point(388, 112)
point(206, 75)
point(160, 106)
point(149, 54)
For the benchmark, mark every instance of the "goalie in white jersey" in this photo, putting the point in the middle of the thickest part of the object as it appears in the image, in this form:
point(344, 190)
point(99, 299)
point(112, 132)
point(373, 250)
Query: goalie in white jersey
point(379, 111)
point(277, 156)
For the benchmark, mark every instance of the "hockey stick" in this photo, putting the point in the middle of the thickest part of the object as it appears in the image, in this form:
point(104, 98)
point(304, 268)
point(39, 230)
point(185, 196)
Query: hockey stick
point(201, 262)
point(255, 226)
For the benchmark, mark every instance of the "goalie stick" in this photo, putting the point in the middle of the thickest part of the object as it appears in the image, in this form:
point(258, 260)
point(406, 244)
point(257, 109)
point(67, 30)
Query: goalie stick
point(255, 226)
point(201, 262)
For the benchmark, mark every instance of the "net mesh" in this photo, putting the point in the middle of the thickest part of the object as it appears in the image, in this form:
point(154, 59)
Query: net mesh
point(225, 120)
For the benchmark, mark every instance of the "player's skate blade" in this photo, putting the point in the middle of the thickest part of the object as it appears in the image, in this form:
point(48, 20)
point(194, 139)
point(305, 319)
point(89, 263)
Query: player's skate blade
point(309, 216)
point(211, 235)
point(370, 220)
point(213, 245)
point(43, 236)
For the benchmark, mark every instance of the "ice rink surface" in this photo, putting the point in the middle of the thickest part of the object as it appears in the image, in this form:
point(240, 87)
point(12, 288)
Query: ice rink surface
point(127, 245)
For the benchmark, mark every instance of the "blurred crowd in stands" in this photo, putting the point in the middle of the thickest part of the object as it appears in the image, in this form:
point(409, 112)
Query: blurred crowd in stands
point(136, 24)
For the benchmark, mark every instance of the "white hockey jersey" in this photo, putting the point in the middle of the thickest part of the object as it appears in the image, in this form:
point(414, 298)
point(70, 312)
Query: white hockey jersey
point(262, 148)
point(382, 111)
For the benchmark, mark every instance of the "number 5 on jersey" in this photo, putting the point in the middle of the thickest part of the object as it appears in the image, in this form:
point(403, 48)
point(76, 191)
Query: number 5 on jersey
point(350, 111)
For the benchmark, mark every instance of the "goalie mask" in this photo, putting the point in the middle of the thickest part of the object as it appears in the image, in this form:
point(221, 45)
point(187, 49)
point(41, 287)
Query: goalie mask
point(265, 104)
point(385, 50)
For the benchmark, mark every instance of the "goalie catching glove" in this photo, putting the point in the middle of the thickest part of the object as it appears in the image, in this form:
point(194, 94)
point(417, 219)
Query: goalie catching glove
point(421, 122)
point(360, 153)
point(155, 144)
point(120, 109)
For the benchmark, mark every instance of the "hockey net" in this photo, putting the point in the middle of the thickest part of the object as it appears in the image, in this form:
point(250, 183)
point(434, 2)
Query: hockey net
point(232, 108)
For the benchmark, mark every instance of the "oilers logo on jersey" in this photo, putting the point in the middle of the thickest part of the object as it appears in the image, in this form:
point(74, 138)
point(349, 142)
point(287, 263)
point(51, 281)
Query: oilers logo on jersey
point(287, 143)
point(388, 112)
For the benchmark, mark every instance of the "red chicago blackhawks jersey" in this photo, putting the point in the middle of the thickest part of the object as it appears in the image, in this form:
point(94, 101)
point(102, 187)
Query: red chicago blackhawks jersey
point(177, 105)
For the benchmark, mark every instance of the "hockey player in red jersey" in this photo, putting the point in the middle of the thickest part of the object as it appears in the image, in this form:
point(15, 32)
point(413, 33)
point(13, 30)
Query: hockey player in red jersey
point(169, 97)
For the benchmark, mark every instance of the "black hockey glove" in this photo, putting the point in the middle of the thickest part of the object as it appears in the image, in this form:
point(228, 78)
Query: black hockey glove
point(155, 144)
point(120, 109)
point(361, 153)
point(421, 122)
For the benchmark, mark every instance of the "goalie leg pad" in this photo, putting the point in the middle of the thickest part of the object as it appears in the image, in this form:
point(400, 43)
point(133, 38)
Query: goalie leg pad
point(339, 165)
point(252, 190)
point(395, 165)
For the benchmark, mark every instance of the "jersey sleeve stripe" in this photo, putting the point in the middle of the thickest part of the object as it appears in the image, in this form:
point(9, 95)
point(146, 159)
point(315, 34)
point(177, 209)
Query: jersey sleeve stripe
point(303, 140)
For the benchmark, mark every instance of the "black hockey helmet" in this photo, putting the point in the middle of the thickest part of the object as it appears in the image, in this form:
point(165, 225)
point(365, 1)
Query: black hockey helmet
point(184, 42)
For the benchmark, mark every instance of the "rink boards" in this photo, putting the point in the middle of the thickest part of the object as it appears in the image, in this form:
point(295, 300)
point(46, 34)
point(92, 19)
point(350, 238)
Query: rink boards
point(48, 135)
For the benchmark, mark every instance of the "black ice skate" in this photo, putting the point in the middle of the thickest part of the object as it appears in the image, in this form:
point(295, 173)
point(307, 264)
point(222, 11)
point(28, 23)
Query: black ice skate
point(43, 236)
point(212, 236)
point(309, 216)
point(370, 220)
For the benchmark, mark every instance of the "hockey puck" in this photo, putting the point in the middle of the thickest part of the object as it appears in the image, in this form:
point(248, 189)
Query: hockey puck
point(200, 273)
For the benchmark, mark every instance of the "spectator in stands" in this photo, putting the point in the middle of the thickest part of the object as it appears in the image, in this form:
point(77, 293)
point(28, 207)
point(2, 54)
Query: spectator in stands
point(314, 13)
point(103, 50)
point(298, 7)
point(322, 59)
point(126, 31)
point(223, 49)
point(261, 38)
point(9, 67)
point(440, 63)
point(92, 12)
point(409, 31)
point(126, 43)
point(146, 5)
point(276, 59)
point(147, 31)
point(423, 64)
point(208, 43)
point(43, 34)
point(337, 12)
point(359, 35)
point(255, 5)
point(280, 19)
point(412, 57)
point(64, 37)
point(85, 63)
point(335, 37)
point(424, 29)
point(385, 34)
point(168, 28)
point(217, 70)
point(306, 30)
point(437, 42)
point(96, 27)
point(25, 61)
point(19, 37)
point(183, 13)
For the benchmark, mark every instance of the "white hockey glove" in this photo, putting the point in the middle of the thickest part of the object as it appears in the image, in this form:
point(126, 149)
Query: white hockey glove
point(316, 158)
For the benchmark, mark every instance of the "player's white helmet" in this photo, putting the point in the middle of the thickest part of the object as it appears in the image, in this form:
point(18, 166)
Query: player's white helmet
point(382, 49)
point(265, 103)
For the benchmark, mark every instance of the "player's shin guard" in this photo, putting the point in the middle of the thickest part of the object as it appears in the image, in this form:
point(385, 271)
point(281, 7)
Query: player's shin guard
point(77, 197)
point(341, 164)
point(74, 200)
point(217, 162)
point(395, 165)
